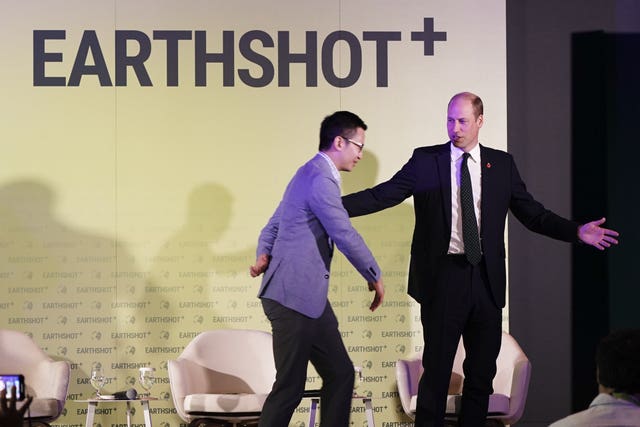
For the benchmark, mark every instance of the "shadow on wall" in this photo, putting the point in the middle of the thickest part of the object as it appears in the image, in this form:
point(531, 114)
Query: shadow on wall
point(82, 298)
point(212, 284)
point(59, 282)
point(388, 235)
point(388, 232)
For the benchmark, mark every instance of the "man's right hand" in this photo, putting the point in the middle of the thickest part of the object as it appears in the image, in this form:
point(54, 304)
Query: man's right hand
point(262, 262)
point(378, 287)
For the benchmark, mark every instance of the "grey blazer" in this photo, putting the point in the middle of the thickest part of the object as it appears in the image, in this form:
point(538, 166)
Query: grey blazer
point(300, 236)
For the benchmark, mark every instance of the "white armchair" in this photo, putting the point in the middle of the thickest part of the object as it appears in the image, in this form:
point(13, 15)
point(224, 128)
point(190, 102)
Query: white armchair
point(510, 385)
point(45, 379)
point(223, 374)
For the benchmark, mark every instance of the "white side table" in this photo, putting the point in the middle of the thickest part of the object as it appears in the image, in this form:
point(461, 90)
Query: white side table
point(93, 404)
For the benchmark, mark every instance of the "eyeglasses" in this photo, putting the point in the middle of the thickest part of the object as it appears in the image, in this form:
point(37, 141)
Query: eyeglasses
point(360, 145)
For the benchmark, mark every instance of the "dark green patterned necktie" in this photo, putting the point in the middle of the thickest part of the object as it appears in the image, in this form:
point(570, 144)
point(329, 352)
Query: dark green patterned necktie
point(469, 224)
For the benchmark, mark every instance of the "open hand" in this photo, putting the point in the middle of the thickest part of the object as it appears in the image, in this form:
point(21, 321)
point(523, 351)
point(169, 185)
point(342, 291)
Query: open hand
point(600, 238)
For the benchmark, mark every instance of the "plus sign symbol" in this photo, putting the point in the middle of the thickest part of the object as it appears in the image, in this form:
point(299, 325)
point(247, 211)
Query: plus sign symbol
point(428, 36)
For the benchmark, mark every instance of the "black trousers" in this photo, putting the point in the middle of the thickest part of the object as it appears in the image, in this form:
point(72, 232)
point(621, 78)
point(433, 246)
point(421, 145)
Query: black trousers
point(461, 305)
point(298, 340)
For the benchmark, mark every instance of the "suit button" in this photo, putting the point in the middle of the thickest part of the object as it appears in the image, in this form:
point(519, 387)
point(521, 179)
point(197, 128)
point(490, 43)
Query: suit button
point(326, 276)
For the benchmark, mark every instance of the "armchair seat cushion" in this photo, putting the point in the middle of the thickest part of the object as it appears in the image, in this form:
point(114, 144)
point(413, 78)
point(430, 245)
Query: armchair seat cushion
point(224, 403)
point(44, 408)
point(498, 404)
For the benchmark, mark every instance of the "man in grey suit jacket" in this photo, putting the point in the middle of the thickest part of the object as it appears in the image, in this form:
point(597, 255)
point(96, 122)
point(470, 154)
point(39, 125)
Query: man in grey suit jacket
point(294, 253)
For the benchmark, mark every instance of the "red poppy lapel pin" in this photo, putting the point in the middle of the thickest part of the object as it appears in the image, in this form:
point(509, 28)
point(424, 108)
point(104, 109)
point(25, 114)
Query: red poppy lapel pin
point(488, 165)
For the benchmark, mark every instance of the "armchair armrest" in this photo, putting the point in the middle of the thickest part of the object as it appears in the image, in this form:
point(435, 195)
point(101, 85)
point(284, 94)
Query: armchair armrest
point(408, 373)
point(49, 380)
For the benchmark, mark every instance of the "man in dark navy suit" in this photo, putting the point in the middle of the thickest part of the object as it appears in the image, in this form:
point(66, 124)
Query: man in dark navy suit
point(457, 273)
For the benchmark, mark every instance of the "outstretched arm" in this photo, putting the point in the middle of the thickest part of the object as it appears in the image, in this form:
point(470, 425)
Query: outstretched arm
point(600, 238)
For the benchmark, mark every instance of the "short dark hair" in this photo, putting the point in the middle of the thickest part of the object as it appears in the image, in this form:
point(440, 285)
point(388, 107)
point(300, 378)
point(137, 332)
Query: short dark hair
point(340, 123)
point(618, 361)
point(476, 102)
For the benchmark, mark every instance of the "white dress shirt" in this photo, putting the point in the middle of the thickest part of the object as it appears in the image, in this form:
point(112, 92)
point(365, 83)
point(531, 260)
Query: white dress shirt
point(456, 244)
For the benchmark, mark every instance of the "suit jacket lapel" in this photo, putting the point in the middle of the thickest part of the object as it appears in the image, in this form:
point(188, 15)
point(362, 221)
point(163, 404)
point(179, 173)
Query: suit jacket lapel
point(443, 160)
point(488, 181)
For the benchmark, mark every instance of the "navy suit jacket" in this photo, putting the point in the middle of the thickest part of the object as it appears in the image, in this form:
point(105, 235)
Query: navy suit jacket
point(300, 236)
point(427, 177)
